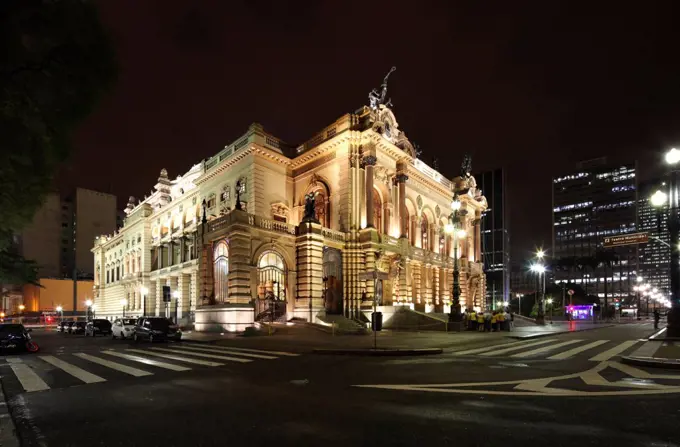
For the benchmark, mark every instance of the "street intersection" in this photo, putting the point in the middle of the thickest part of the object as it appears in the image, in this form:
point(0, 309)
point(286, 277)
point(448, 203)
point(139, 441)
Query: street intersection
point(255, 390)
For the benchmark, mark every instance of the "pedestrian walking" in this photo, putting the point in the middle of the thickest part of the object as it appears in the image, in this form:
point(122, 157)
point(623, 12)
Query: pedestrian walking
point(512, 321)
point(481, 322)
point(657, 317)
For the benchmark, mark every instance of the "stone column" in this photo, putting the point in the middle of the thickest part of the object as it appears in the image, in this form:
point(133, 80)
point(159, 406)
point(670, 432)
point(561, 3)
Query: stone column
point(478, 240)
point(417, 236)
point(443, 288)
point(417, 290)
point(401, 179)
point(239, 267)
point(369, 163)
point(370, 283)
point(309, 243)
point(387, 217)
point(159, 297)
point(166, 308)
point(195, 292)
point(435, 283)
point(183, 285)
point(182, 247)
point(403, 287)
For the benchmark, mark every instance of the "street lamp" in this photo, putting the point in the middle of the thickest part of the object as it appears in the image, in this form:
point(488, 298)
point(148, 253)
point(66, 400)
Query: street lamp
point(540, 254)
point(452, 229)
point(519, 304)
point(61, 313)
point(658, 199)
point(176, 295)
point(550, 302)
point(539, 269)
point(94, 308)
point(123, 303)
point(145, 292)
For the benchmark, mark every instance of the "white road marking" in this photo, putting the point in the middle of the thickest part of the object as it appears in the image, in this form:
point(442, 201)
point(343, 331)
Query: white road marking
point(616, 350)
point(516, 348)
point(534, 352)
point(27, 377)
point(224, 351)
point(289, 354)
point(492, 347)
point(572, 352)
point(146, 361)
point(648, 349)
point(176, 357)
point(199, 354)
point(73, 370)
point(114, 365)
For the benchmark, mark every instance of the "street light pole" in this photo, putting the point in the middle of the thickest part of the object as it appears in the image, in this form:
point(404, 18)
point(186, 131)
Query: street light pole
point(452, 229)
point(658, 199)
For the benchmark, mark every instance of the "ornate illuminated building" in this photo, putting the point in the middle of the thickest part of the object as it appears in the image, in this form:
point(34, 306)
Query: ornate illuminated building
point(315, 222)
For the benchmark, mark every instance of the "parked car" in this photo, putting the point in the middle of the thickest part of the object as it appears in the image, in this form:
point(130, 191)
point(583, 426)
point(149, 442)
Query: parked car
point(16, 337)
point(78, 327)
point(64, 326)
point(154, 329)
point(98, 327)
point(123, 327)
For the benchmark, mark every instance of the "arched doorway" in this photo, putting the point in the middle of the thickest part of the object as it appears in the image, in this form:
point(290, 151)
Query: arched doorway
point(332, 274)
point(271, 285)
point(221, 271)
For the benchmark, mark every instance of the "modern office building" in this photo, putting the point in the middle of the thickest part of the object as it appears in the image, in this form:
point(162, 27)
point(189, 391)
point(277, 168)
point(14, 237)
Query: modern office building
point(60, 235)
point(495, 236)
point(596, 200)
point(655, 255)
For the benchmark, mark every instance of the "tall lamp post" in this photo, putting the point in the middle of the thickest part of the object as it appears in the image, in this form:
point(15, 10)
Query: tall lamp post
point(61, 313)
point(539, 269)
point(519, 304)
point(550, 302)
point(123, 303)
point(452, 228)
point(175, 295)
point(659, 199)
point(145, 292)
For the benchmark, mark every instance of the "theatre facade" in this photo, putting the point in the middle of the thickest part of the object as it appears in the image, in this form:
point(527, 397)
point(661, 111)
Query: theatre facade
point(266, 231)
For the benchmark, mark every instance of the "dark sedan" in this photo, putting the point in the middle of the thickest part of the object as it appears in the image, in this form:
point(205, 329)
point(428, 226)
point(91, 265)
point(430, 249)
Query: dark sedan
point(16, 337)
point(78, 327)
point(98, 327)
point(155, 329)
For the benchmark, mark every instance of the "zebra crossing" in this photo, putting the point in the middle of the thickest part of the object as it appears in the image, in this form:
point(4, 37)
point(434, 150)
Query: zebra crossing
point(559, 349)
point(43, 372)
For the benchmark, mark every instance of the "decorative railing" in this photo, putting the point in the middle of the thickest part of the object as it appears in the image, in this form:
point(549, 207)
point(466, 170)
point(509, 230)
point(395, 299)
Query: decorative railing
point(333, 235)
point(389, 240)
point(271, 225)
point(428, 171)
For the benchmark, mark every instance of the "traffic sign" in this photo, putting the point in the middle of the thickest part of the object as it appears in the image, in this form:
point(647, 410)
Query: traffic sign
point(625, 239)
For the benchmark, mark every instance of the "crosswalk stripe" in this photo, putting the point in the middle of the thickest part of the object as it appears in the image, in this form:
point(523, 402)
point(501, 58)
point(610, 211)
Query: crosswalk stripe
point(516, 348)
point(73, 370)
point(545, 349)
point(616, 350)
point(27, 377)
point(494, 347)
point(648, 349)
point(572, 352)
point(288, 354)
point(200, 354)
point(176, 357)
point(146, 361)
point(114, 365)
point(217, 351)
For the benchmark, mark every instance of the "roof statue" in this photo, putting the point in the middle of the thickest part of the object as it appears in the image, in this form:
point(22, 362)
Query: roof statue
point(376, 98)
point(466, 166)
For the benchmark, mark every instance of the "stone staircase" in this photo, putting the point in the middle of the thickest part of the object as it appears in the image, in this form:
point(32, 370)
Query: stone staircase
point(343, 324)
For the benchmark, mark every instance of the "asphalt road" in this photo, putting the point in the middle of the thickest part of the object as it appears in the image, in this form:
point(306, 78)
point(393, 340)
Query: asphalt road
point(307, 399)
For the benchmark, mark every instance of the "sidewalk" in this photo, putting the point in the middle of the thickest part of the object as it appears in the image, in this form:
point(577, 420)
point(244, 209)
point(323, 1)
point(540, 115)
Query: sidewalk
point(657, 352)
point(302, 338)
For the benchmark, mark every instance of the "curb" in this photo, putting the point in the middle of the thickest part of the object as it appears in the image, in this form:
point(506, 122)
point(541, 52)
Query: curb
point(652, 362)
point(379, 352)
point(552, 334)
point(8, 431)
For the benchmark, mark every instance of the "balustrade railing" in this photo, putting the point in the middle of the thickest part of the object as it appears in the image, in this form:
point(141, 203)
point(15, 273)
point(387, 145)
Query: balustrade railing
point(333, 235)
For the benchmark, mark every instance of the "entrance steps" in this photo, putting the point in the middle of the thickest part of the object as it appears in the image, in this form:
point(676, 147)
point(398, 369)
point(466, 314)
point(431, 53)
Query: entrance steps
point(405, 319)
point(343, 324)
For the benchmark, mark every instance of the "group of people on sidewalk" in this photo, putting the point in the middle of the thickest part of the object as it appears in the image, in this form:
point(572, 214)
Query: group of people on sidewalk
point(489, 321)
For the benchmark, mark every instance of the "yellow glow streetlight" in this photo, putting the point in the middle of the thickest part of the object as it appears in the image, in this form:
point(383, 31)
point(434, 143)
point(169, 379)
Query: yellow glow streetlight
point(540, 254)
point(659, 198)
point(22, 307)
point(672, 156)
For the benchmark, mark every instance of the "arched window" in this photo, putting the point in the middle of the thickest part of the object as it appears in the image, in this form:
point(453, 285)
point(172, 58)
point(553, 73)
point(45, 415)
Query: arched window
point(321, 202)
point(377, 211)
point(221, 266)
point(424, 236)
point(272, 275)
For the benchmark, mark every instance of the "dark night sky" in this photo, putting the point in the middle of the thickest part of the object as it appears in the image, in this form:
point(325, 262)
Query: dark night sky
point(529, 86)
